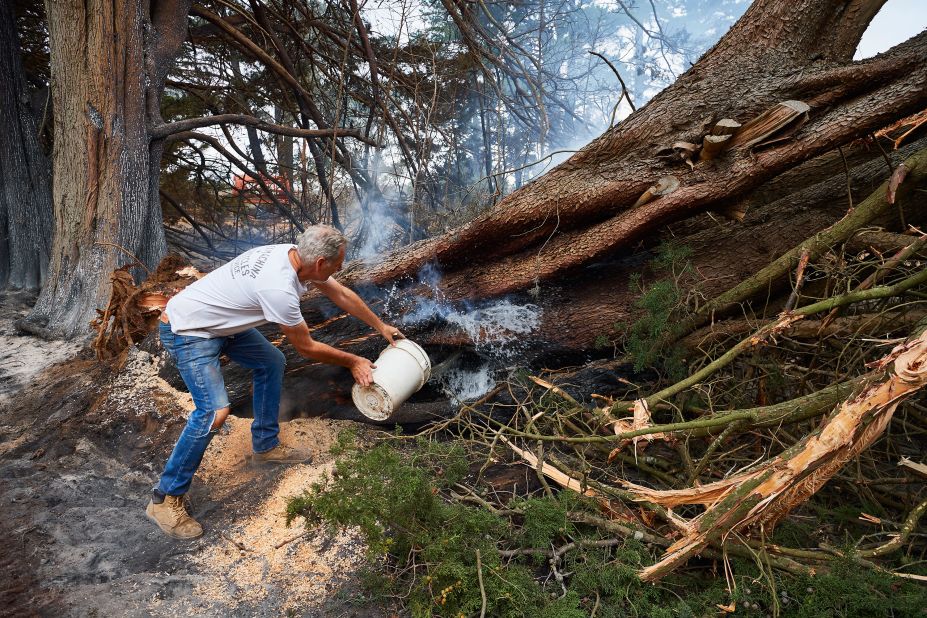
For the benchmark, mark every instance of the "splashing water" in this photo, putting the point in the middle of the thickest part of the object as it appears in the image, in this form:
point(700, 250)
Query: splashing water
point(462, 384)
point(496, 327)
point(491, 327)
point(498, 331)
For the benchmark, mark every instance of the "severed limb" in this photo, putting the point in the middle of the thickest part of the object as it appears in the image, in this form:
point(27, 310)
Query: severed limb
point(759, 497)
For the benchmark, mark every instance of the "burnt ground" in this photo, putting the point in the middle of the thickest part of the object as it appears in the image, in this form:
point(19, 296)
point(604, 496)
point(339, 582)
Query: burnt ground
point(80, 448)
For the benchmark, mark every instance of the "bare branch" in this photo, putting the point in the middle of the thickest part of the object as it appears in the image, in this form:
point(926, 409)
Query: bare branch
point(163, 130)
point(624, 87)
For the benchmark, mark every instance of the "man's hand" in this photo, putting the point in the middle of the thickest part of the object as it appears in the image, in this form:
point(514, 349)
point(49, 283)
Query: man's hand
point(362, 370)
point(301, 339)
point(391, 333)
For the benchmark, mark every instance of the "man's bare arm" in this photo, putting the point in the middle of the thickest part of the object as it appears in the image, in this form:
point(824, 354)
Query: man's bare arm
point(348, 300)
point(301, 339)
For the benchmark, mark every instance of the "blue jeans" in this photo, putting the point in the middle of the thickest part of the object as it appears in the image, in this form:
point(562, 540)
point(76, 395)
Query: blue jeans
point(197, 359)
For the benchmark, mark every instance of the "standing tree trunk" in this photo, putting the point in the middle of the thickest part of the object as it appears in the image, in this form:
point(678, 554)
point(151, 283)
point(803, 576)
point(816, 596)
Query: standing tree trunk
point(25, 187)
point(109, 60)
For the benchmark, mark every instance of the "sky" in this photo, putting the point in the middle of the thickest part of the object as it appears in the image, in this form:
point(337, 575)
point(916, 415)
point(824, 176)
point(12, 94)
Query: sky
point(898, 21)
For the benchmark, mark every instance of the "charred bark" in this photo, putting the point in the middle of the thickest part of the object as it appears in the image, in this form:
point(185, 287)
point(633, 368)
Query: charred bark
point(109, 63)
point(25, 190)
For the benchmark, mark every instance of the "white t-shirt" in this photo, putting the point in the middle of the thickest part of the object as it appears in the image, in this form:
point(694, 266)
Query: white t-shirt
point(257, 287)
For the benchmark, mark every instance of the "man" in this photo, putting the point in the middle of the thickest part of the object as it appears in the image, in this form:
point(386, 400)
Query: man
point(218, 315)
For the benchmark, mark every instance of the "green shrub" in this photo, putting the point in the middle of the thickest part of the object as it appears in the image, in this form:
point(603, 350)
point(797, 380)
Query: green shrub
point(662, 304)
point(423, 548)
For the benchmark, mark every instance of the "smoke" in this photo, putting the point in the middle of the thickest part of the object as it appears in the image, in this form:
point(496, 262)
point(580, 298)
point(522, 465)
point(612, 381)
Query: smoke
point(378, 231)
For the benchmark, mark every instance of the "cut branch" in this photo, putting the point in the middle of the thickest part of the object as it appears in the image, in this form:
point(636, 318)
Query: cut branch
point(763, 495)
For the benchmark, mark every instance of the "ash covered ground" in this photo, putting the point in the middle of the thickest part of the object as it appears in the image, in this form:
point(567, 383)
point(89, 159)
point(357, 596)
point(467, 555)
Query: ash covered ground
point(80, 448)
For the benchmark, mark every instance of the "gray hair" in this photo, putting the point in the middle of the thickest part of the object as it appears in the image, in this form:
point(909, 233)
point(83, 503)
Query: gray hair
point(320, 241)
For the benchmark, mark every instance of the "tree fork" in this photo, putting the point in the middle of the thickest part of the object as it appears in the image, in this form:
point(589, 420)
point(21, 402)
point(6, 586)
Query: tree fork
point(111, 199)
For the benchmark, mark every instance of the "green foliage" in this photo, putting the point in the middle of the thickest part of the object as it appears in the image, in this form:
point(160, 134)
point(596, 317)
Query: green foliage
point(394, 496)
point(346, 440)
point(845, 590)
point(659, 301)
point(662, 304)
point(423, 548)
point(672, 258)
point(544, 521)
point(848, 590)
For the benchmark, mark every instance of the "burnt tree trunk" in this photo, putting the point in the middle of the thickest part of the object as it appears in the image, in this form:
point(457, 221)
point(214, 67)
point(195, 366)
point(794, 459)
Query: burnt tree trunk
point(109, 61)
point(25, 187)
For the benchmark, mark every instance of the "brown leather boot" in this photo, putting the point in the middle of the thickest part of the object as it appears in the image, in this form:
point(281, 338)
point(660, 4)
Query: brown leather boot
point(281, 454)
point(173, 519)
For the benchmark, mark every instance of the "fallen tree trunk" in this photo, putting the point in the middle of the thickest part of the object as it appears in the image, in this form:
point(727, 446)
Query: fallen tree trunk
point(576, 310)
point(582, 210)
point(573, 313)
point(566, 241)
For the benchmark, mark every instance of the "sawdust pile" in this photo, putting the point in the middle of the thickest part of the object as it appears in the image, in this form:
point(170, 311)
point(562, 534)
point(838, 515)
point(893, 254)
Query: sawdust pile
point(140, 374)
point(260, 555)
point(144, 397)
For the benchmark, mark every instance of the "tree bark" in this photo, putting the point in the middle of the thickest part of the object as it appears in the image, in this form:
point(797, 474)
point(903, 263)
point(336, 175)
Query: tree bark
point(109, 61)
point(25, 188)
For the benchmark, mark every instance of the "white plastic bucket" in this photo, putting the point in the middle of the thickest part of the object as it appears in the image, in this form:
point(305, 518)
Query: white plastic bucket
point(402, 370)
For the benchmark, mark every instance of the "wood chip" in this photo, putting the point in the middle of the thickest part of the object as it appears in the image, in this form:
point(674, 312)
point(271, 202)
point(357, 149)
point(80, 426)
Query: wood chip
point(663, 186)
point(911, 465)
point(770, 122)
